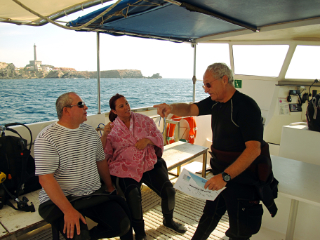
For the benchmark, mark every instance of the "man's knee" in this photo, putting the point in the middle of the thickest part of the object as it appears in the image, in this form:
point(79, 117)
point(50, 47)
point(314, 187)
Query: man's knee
point(84, 231)
point(247, 222)
point(252, 217)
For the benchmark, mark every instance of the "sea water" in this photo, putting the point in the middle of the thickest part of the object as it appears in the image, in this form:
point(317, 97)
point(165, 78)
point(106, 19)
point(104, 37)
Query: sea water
point(33, 100)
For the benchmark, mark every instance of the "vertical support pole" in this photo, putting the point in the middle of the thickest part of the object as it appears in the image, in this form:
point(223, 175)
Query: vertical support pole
point(287, 61)
point(98, 72)
point(164, 131)
point(204, 164)
point(194, 78)
point(292, 219)
point(231, 57)
point(178, 131)
point(178, 170)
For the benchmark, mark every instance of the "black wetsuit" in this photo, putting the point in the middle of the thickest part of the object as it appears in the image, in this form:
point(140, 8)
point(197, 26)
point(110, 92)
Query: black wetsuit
point(233, 124)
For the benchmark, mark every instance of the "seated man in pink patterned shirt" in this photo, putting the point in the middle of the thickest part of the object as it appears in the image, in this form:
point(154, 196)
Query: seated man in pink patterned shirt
point(133, 147)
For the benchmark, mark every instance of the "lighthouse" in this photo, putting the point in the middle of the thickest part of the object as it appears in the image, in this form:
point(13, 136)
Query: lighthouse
point(35, 57)
point(35, 52)
point(34, 64)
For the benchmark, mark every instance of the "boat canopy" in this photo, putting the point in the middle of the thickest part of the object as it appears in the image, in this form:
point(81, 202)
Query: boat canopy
point(209, 20)
point(29, 12)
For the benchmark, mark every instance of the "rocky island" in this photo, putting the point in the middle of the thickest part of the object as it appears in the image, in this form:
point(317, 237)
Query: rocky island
point(9, 71)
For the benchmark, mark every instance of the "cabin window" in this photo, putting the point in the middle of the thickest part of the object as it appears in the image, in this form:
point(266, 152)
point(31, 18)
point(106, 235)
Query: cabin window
point(259, 60)
point(305, 63)
point(209, 53)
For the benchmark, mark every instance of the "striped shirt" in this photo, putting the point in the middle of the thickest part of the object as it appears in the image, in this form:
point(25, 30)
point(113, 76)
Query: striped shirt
point(70, 154)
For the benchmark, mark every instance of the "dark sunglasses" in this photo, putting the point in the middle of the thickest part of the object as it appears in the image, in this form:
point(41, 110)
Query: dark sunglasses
point(79, 105)
point(208, 85)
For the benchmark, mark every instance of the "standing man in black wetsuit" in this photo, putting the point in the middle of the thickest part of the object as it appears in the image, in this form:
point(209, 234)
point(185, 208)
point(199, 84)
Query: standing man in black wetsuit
point(240, 158)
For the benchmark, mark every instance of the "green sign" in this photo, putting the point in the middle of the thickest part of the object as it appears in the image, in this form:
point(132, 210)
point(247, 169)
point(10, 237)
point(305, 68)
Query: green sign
point(238, 83)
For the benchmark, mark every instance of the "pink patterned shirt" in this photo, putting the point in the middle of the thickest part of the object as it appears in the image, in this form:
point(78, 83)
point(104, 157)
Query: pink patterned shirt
point(125, 160)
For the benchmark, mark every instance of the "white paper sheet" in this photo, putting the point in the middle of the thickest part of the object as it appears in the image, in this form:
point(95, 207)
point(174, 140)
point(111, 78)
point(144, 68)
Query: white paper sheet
point(193, 185)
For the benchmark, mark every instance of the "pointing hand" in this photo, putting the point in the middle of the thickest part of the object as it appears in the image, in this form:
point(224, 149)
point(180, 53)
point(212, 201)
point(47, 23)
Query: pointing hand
point(163, 109)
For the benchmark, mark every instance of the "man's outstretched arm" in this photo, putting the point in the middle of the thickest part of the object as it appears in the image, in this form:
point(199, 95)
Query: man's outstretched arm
point(179, 109)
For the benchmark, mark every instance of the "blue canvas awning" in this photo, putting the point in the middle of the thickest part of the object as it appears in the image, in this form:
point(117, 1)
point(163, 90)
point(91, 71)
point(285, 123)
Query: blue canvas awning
point(192, 19)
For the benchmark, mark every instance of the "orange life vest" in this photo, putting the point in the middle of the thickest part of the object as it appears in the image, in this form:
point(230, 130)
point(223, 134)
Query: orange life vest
point(192, 132)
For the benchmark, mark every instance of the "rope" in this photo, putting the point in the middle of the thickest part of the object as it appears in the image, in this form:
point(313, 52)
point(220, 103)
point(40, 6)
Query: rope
point(164, 122)
point(63, 26)
point(125, 15)
point(100, 129)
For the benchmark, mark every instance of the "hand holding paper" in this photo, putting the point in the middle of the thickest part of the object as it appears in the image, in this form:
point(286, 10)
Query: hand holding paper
point(193, 185)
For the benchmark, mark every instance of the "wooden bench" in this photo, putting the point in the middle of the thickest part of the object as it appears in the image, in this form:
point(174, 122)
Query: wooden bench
point(17, 223)
point(179, 153)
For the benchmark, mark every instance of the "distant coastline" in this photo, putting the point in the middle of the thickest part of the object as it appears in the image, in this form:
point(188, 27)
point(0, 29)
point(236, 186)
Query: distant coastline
point(9, 71)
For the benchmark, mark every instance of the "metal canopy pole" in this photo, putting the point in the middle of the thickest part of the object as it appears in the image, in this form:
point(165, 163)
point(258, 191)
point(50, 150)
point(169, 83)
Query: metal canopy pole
point(98, 71)
point(194, 78)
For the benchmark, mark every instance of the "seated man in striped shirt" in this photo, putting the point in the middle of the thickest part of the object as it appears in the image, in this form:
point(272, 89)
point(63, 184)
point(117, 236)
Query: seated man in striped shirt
point(69, 158)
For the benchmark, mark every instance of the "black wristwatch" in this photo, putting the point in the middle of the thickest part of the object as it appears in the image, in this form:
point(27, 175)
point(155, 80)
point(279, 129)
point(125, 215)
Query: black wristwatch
point(226, 177)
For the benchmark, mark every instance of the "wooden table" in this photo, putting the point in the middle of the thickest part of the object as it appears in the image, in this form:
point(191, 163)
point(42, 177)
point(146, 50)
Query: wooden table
point(301, 184)
point(179, 153)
